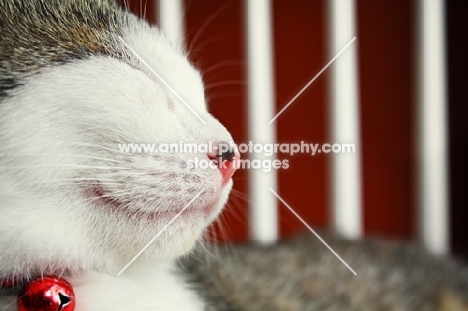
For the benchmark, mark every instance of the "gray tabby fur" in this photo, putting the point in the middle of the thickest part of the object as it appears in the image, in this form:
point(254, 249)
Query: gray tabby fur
point(302, 274)
point(54, 32)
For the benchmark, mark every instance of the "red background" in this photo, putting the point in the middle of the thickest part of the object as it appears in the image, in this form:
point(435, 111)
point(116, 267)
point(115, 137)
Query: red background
point(215, 37)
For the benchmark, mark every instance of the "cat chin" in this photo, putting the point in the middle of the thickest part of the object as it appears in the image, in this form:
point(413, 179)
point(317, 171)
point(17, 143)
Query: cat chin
point(168, 238)
point(73, 240)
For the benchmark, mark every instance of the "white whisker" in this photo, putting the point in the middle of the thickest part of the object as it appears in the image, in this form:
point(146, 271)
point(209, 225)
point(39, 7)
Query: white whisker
point(66, 166)
point(63, 154)
point(89, 179)
point(222, 83)
point(205, 25)
point(221, 65)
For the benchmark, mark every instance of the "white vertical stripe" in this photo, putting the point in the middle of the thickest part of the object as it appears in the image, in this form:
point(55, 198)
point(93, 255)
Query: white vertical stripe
point(263, 209)
point(346, 172)
point(432, 135)
point(171, 21)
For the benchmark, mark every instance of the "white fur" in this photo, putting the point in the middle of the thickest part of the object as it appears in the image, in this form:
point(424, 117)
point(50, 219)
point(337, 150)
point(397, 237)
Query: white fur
point(161, 289)
point(59, 134)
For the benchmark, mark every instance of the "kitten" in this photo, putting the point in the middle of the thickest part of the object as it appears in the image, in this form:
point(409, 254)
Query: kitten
point(71, 89)
point(74, 85)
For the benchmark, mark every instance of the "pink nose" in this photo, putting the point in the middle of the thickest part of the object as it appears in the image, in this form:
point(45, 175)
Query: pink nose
point(225, 158)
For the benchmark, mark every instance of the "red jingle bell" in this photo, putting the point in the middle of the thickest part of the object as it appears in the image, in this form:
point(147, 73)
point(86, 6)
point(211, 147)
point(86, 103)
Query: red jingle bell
point(49, 293)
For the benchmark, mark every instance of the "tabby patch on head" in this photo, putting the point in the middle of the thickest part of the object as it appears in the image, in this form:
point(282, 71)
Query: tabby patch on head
point(37, 33)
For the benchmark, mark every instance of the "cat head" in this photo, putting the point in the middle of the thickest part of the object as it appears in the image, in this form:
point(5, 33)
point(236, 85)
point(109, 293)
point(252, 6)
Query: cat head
point(73, 196)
